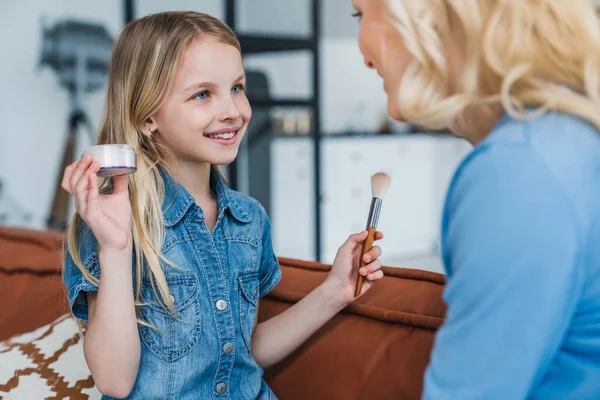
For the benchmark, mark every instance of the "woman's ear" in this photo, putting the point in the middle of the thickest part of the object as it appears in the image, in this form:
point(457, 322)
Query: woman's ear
point(150, 125)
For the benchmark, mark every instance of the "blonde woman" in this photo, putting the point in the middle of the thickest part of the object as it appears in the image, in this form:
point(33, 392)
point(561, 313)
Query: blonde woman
point(167, 266)
point(520, 80)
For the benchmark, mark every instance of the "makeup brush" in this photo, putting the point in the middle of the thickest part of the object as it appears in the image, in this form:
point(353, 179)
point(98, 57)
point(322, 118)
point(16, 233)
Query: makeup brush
point(380, 182)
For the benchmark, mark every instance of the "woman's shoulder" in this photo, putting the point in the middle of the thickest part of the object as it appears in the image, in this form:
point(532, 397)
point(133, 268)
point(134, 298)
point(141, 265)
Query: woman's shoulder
point(530, 184)
point(554, 147)
point(557, 138)
point(526, 165)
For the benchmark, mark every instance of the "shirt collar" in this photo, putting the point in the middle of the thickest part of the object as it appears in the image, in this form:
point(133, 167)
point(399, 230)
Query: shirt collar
point(178, 200)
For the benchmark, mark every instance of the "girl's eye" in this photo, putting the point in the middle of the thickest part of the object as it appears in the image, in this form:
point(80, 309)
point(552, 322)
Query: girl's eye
point(237, 88)
point(358, 15)
point(201, 96)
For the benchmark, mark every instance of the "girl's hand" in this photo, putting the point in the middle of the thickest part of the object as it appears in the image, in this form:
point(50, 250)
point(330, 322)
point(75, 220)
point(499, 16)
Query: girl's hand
point(108, 216)
point(341, 282)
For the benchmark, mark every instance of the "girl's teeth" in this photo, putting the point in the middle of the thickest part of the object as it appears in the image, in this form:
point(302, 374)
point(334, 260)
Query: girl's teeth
point(224, 135)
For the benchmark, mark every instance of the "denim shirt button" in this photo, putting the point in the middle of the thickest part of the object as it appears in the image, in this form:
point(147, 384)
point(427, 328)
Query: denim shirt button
point(221, 305)
point(228, 348)
point(221, 388)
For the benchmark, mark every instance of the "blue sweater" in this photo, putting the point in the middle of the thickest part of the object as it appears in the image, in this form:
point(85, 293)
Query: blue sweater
point(521, 248)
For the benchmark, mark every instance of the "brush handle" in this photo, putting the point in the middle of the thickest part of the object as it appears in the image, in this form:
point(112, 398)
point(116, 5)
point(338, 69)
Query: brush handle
point(367, 245)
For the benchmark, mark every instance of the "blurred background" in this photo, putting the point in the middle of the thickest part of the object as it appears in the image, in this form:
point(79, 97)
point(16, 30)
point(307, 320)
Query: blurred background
point(319, 130)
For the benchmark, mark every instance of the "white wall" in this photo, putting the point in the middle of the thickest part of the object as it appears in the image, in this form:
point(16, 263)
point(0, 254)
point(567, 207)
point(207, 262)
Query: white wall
point(33, 118)
point(352, 97)
point(212, 7)
point(33, 107)
point(420, 167)
point(352, 100)
point(288, 17)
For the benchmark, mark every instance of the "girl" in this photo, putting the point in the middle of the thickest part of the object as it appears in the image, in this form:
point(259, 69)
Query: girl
point(167, 265)
point(520, 80)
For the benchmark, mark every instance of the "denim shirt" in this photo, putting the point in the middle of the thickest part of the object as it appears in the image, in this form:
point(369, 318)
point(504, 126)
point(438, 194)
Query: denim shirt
point(205, 352)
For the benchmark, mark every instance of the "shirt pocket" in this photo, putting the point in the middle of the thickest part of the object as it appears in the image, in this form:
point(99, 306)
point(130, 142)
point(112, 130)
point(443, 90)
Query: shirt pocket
point(171, 337)
point(248, 297)
point(242, 253)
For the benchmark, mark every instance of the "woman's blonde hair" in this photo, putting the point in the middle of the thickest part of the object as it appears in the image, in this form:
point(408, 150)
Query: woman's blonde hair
point(143, 67)
point(543, 54)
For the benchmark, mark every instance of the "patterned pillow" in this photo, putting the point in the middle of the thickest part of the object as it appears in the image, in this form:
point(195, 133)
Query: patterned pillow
point(47, 363)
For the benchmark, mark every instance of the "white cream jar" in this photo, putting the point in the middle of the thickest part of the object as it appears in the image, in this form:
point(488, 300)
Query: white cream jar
point(114, 159)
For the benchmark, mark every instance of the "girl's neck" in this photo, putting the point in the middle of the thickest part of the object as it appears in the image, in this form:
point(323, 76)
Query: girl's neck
point(195, 178)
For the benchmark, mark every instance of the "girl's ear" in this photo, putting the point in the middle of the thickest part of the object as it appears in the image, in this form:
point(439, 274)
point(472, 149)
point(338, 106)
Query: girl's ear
point(150, 125)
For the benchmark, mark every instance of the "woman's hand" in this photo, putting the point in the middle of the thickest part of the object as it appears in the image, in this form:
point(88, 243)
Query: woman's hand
point(341, 282)
point(108, 216)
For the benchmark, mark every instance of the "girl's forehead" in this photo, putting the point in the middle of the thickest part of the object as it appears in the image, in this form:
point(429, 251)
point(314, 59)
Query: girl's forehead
point(209, 60)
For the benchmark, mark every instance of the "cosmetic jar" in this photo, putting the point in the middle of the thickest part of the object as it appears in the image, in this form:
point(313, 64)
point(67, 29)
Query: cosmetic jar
point(114, 159)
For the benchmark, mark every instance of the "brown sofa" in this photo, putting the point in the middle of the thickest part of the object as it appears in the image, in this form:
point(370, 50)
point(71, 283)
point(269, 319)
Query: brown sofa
point(377, 348)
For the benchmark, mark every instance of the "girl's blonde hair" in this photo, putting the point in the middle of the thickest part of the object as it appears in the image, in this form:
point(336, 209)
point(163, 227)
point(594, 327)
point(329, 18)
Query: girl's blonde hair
point(142, 70)
point(543, 54)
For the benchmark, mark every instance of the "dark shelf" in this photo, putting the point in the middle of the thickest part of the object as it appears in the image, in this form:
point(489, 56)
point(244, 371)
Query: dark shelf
point(413, 132)
point(252, 44)
point(128, 11)
point(282, 102)
point(359, 135)
point(264, 43)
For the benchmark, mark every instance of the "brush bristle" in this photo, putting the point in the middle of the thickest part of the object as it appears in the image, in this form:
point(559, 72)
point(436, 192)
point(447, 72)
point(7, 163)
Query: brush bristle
point(380, 182)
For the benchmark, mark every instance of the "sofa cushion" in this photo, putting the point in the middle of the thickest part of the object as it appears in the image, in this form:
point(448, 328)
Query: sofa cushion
point(31, 289)
point(377, 348)
point(47, 363)
point(23, 250)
